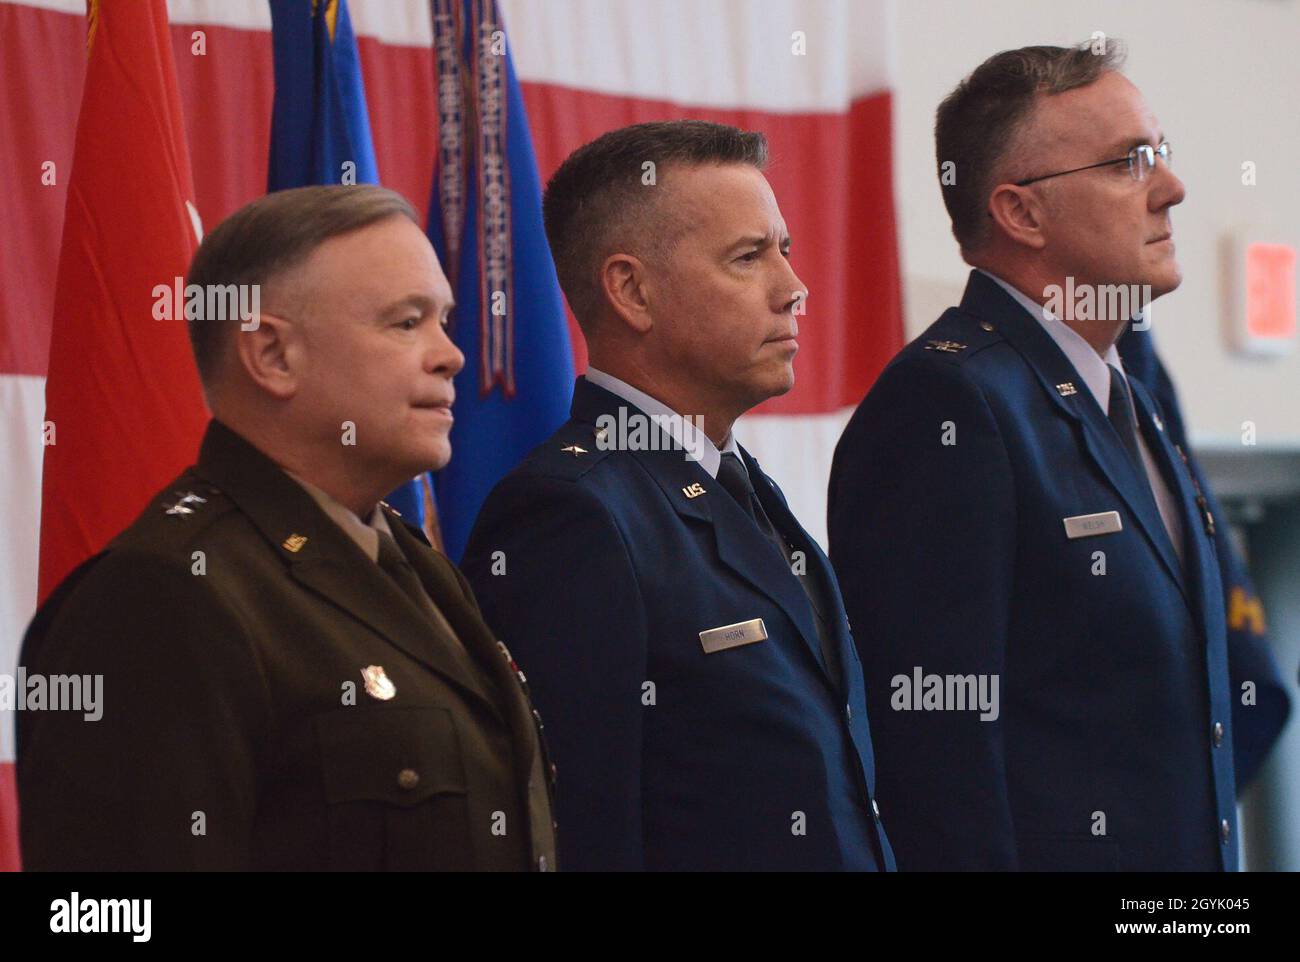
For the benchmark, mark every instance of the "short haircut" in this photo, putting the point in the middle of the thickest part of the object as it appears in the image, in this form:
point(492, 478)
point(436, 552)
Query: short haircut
point(978, 124)
point(271, 235)
point(598, 204)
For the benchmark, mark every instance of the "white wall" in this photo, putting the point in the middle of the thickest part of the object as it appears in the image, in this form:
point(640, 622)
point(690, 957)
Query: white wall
point(1223, 77)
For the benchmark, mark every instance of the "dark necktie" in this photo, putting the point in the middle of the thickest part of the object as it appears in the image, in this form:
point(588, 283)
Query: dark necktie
point(1120, 412)
point(399, 569)
point(733, 476)
point(395, 565)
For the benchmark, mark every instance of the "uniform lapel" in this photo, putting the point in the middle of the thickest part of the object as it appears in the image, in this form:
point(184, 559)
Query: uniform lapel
point(1198, 545)
point(819, 566)
point(450, 598)
point(744, 549)
point(1068, 394)
point(695, 496)
point(322, 558)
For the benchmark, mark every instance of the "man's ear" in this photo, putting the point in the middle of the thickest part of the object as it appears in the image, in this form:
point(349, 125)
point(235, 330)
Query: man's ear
point(1018, 213)
point(271, 354)
point(625, 285)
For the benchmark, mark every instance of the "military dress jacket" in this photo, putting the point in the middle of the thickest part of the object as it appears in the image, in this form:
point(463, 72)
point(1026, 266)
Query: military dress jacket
point(273, 700)
point(987, 523)
point(676, 659)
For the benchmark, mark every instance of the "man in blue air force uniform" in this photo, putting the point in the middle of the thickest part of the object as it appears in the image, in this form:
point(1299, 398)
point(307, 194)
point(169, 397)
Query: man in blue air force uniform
point(681, 632)
point(1006, 504)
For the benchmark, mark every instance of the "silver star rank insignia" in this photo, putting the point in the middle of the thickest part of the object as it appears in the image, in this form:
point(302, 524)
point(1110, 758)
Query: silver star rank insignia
point(181, 508)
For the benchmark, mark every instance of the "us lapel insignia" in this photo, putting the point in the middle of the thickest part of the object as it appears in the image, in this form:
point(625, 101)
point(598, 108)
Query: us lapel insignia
point(574, 450)
point(945, 347)
point(377, 683)
point(1066, 388)
point(294, 542)
point(693, 490)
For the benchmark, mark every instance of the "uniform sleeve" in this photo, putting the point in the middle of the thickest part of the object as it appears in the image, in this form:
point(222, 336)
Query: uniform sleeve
point(1256, 723)
point(161, 773)
point(922, 538)
point(554, 579)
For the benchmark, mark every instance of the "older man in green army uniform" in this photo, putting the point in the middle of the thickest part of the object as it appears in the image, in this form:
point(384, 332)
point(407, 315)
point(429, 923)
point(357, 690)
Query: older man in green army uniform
point(292, 677)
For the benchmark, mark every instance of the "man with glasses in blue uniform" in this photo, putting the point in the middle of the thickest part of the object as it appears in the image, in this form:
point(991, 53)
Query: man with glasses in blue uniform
point(1048, 546)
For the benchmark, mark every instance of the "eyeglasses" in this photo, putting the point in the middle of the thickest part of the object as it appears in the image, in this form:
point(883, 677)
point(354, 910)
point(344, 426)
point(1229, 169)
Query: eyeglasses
point(1140, 160)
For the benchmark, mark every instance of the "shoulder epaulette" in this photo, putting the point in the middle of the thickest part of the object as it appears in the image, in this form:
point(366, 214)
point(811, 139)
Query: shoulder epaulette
point(574, 451)
point(956, 336)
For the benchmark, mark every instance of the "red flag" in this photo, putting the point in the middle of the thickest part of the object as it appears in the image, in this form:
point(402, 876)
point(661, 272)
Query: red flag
point(123, 403)
point(123, 409)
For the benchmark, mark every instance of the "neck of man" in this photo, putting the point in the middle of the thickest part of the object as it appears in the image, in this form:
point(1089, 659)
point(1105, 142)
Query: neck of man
point(1036, 283)
point(685, 399)
point(320, 460)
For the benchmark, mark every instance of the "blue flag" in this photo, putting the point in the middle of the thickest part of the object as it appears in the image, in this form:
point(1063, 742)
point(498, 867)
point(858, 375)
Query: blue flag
point(320, 128)
point(485, 221)
point(1255, 727)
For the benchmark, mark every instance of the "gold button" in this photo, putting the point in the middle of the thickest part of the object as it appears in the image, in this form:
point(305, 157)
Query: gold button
point(985, 325)
point(408, 778)
point(541, 863)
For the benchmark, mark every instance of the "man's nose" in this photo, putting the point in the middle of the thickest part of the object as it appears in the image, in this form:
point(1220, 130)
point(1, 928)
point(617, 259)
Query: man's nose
point(790, 291)
point(443, 356)
point(1166, 189)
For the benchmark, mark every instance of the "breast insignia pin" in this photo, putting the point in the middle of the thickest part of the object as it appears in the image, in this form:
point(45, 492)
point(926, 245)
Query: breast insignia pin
point(377, 683)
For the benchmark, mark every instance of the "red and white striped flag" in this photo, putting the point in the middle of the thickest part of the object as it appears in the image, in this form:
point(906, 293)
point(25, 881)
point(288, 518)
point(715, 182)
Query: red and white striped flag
point(814, 76)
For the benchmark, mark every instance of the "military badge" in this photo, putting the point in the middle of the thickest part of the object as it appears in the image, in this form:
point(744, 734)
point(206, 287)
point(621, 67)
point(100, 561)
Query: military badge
point(945, 347)
point(377, 683)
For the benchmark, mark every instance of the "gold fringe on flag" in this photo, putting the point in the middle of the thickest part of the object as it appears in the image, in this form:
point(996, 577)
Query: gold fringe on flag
point(92, 15)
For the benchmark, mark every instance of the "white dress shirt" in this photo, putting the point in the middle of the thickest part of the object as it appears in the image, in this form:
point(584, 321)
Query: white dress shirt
point(1093, 370)
point(684, 432)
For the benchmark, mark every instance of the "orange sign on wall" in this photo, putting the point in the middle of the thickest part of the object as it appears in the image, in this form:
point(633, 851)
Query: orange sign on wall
point(1270, 309)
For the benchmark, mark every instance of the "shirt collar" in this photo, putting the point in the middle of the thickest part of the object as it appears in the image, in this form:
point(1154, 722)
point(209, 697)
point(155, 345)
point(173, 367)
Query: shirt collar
point(683, 431)
point(366, 535)
point(1091, 368)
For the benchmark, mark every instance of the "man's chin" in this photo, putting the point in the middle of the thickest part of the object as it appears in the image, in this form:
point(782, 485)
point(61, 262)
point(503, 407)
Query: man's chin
point(774, 386)
point(433, 458)
point(1165, 280)
point(787, 382)
point(439, 459)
